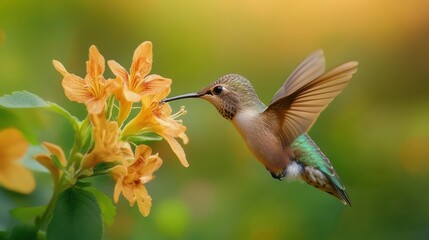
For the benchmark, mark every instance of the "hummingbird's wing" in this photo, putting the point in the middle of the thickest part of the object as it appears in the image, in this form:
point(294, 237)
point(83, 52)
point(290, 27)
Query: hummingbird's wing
point(309, 69)
point(298, 104)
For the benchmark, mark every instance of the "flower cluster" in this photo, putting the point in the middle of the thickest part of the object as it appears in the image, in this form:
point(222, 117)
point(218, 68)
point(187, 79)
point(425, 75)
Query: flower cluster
point(109, 103)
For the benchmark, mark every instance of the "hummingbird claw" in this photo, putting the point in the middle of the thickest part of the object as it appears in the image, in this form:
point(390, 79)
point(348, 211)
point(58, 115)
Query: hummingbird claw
point(278, 175)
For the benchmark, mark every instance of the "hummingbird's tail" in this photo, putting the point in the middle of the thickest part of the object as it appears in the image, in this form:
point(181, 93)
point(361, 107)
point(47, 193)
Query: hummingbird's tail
point(324, 182)
point(316, 169)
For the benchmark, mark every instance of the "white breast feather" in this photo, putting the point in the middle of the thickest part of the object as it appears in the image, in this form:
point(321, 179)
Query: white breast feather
point(293, 171)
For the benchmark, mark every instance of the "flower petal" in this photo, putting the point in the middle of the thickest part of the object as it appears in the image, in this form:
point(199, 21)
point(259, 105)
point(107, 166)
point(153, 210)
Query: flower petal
point(46, 161)
point(177, 149)
point(128, 192)
point(144, 201)
point(95, 64)
point(153, 164)
point(125, 106)
point(184, 138)
point(57, 151)
point(60, 67)
point(131, 96)
point(118, 190)
point(13, 145)
point(95, 106)
point(17, 178)
point(13, 176)
point(144, 119)
point(118, 70)
point(76, 88)
point(124, 111)
point(143, 151)
point(142, 59)
point(155, 84)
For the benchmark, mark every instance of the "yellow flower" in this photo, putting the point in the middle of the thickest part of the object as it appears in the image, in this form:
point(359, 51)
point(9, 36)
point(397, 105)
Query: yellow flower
point(108, 147)
point(156, 117)
point(47, 162)
point(94, 90)
point(131, 87)
point(130, 179)
point(13, 176)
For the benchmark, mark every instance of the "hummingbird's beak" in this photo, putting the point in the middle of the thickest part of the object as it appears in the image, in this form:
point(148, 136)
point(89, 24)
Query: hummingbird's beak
point(189, 95)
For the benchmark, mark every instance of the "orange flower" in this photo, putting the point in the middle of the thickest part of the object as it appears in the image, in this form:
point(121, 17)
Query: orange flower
point(133, 86)
point(107, 147)
point(94, 90)
point(156, 117)
point(130, 179)
point(47, 162)
point(13, 176)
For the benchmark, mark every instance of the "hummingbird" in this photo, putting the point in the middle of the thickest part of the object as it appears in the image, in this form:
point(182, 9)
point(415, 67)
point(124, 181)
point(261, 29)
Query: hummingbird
point(277, 134)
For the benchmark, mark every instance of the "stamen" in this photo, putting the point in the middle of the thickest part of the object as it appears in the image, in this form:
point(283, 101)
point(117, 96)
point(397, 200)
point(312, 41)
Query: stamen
point(181, 112)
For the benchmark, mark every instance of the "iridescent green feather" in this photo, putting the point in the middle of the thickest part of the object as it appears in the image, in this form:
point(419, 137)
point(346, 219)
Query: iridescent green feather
point(310, 155)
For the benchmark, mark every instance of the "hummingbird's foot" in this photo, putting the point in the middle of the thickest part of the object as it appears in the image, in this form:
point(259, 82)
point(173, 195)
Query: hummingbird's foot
point(278, 175)
point(292, 172)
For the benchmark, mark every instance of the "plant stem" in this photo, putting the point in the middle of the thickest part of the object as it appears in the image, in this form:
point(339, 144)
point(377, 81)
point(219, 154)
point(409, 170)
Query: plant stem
point(43, 221)
point(64, 181)
point(77, 142)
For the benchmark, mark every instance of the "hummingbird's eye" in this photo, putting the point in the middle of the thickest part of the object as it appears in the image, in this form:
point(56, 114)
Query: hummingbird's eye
point(217, 90)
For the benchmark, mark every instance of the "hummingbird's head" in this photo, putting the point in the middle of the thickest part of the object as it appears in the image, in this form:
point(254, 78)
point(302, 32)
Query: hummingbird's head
point(228, 94)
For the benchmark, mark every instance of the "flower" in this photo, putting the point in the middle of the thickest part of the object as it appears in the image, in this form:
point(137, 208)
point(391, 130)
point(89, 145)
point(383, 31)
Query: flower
point(94, 90)
point(131, 87)
point(108, 147)
point(47, 161)
point(130, 179)
point(156, 117)
point(14, 176)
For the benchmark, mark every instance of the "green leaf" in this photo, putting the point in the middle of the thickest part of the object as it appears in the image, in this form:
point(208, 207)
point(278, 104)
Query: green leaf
point(85, 130)
point(108, 209)
point(103, 167)
point(77, 215)
point(83, 184)
point(56, 162)
point(27, 214)
point(4, 235)
point(23, 232)
point(145, 137)
point(22, 99)
point(60, 110)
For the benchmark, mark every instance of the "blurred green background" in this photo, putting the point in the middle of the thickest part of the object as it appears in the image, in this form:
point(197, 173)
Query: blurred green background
point(376, 133)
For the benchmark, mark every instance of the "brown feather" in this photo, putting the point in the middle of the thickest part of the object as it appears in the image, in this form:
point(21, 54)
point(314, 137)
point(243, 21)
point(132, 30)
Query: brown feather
point(301, 108)
point(309, 69)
